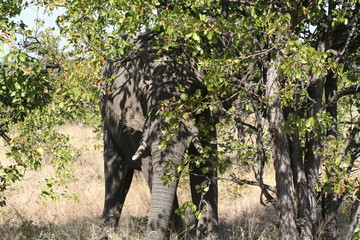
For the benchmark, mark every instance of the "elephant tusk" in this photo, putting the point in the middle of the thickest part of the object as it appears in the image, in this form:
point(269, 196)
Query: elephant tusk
point(139, 152)
point(197, 145)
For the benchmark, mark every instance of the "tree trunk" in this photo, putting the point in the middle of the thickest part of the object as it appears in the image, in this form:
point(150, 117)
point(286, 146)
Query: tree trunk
point(312, 147)
point(332, 202)
point(282, 160)
point(355, 216)
point(307, 228)
point(330, 92)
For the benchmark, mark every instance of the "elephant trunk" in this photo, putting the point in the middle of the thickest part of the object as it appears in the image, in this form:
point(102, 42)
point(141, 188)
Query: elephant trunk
point(162, 195)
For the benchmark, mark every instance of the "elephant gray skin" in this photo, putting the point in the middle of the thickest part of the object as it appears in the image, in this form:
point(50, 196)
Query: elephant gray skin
point(132, 134)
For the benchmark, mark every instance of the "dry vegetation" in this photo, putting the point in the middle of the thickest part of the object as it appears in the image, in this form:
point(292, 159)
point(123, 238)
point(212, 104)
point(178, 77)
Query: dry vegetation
point(29, 217)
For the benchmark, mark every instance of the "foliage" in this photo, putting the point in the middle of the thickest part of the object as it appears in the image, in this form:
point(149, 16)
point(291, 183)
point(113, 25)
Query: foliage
point(41, 88)
point(24, 87)
point(284, 72)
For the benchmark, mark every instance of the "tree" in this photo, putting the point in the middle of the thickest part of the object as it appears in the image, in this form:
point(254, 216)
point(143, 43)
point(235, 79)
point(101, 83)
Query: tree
point(291, 63)
point(41, 87)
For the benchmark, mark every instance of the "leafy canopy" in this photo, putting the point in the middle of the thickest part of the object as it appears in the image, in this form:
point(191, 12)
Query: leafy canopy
point(233, 44)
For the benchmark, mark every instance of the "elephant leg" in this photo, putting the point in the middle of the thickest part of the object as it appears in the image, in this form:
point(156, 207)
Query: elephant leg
point(118, 177)
point(207, 201)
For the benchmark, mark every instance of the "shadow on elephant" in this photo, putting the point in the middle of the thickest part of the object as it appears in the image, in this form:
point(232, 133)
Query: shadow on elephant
point(133, 129)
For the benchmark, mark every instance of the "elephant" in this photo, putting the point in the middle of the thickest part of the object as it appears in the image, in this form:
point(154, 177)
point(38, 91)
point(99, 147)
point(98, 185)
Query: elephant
point(133, 131)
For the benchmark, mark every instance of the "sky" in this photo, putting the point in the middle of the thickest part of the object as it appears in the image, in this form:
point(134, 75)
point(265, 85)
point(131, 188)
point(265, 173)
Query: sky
point(31, 13)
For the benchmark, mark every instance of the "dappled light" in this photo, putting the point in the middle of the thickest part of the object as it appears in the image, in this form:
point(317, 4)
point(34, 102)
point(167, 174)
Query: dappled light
point(243, 117)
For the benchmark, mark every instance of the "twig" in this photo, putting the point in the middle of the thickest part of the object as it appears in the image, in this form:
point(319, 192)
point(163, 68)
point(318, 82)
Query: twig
point(4, 135)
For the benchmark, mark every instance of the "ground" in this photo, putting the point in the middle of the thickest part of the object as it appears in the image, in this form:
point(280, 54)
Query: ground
point(30, 217)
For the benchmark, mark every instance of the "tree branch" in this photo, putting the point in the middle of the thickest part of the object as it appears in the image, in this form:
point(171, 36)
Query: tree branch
point(352, 135)
point(346, 91)
point(246, 124)
point(354, 27)
point(247, 3)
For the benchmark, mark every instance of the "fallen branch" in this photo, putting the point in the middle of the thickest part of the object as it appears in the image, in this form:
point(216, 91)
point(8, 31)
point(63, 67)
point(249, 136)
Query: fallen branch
point(264, 187)
point(244, 181)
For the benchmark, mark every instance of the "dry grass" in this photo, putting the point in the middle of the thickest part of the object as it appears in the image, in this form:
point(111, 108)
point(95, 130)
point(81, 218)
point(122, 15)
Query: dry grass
point(29, 217)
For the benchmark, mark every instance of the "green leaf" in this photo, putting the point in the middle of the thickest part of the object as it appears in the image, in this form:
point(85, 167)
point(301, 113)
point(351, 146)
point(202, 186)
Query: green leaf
point(311, 123)
point(203, 17)
point(22, 57)
point(17, 86)
point(196, 37)
point(183, 96)
point(162, 144)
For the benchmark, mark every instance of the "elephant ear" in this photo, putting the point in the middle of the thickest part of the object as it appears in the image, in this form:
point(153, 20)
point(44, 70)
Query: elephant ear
point(187, 133)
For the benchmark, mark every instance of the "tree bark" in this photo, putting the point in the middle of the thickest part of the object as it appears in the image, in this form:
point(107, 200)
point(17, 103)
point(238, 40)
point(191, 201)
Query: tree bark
point(330, 93)
point(306, 227)
point(355, 216)
point(312, 147)
point(332, 202)
point(282, 160)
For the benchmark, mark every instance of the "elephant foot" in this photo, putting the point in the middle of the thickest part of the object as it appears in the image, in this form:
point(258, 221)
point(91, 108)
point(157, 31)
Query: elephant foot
point(111, 219)
point(110, 223)
point(104, 238)
point(178, 227)
point(207, 229)
point(104, 231)
point(207, 236)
